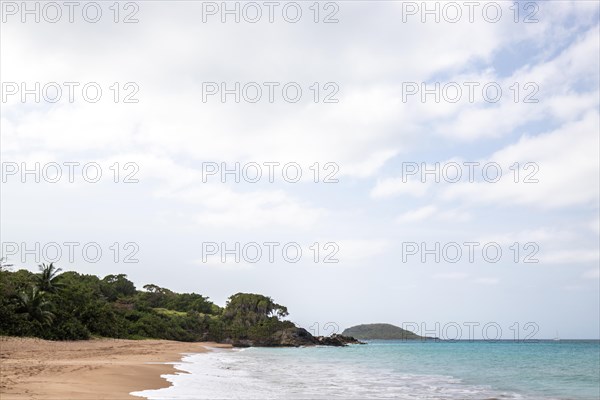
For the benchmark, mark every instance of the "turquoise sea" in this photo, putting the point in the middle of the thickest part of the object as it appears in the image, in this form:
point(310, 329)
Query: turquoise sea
point(565, 369)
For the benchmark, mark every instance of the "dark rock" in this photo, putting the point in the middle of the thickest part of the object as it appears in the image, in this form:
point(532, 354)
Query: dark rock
point(243, 343)
point(348, 339)
point(330, 341)
point(337, 340)
point(293, 337)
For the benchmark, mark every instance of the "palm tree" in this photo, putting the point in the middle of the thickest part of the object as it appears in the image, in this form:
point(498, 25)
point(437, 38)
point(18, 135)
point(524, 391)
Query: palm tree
point(46, 279)
point(3, 265)
point(35, 306)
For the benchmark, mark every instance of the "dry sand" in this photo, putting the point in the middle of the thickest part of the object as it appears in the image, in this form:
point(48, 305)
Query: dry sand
point(91, 369)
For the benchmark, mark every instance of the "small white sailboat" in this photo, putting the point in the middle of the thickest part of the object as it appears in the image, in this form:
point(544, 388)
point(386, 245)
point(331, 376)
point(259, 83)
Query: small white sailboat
point(556, 338)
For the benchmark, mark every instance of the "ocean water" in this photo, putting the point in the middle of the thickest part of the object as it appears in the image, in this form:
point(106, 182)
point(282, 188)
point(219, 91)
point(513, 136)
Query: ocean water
point(563, 369)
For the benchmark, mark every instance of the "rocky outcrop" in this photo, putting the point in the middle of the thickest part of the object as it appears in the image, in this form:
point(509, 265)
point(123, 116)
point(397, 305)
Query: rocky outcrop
point(337, 340)
point(296, 337)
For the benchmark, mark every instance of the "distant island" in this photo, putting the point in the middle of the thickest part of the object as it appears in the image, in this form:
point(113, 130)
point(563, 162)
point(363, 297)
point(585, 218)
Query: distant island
point(381, 332)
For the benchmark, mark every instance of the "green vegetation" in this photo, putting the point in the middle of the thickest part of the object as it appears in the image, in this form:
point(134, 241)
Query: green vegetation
point(71, 306)
point(380, 331)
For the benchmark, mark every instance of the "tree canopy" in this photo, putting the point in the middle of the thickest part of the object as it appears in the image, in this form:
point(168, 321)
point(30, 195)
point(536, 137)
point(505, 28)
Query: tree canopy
point(68, 305)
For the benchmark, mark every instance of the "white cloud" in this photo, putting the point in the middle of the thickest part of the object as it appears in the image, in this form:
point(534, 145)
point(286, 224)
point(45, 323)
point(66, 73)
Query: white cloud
point(389, 187)
point(594, 225)
point(226, 208)
point(555, 79)
point(367, 127)
point(564, 180)
point(432, 212)
point(452, 276)
point(229, 265)
point(486, 281)
point(548, 245)
point(418, 214)
point(569, 256)
point(539, 235)
point(360, 250)
point(592, 274)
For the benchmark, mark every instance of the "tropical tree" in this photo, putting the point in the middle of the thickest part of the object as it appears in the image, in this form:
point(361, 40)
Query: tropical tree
point(47, 278)
point(250, 308)
point(4, 266)
point(253, 316)
point(35, 305)
point(115, 286)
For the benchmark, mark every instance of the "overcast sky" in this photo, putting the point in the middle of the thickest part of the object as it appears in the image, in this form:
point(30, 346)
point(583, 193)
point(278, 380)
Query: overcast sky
point(370, 210)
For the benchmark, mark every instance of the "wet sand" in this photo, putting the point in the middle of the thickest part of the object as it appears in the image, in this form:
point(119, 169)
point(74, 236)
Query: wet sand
point(90, 369)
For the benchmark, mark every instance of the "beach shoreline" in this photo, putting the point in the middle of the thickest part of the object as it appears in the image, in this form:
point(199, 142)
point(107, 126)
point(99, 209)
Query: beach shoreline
point(107, 369)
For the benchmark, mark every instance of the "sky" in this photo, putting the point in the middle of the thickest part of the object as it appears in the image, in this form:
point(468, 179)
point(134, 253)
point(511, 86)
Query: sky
point(391, 167)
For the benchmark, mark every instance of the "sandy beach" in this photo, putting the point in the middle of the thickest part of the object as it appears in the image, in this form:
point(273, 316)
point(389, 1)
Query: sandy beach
point(92, 369)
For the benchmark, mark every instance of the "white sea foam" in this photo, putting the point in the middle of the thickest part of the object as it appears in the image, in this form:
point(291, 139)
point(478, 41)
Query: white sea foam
point(267, 374)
